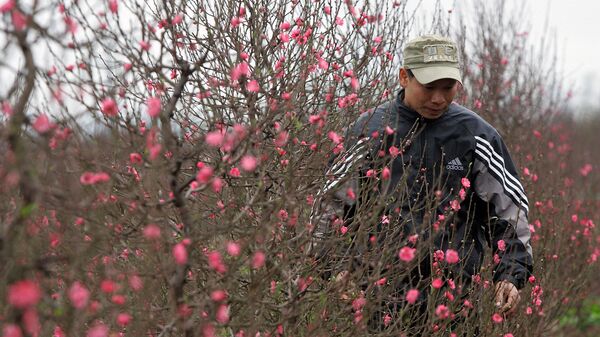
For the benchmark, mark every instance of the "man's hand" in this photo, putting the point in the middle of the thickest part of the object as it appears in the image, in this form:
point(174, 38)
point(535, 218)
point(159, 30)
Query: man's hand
point(507, 297)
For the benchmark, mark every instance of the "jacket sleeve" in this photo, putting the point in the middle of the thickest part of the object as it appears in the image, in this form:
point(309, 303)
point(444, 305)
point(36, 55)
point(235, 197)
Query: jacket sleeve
point(496, 182)
point(337, 199)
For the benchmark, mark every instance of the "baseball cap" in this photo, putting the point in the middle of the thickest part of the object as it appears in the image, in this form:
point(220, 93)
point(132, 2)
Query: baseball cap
point(432, 57)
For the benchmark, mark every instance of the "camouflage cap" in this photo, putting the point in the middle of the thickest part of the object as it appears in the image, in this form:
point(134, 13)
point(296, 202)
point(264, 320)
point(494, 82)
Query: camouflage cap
point(432, 57)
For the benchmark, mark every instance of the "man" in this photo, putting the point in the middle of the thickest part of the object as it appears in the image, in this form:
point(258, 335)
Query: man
point(436, 177)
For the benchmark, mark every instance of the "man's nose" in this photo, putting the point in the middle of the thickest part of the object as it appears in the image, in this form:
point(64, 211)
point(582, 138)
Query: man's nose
point(437, 97)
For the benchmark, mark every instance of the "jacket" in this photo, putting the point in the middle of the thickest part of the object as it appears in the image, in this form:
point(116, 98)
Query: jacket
point(450, 180)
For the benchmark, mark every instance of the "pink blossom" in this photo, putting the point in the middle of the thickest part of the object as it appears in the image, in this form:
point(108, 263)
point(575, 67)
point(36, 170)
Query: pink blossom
point(451, 256)
point(508, 335)
point(455, 205)
point(19, 20)
point(323, 64)
point(406, 254)
point(135, 158)
point(31, 322)
point(354, 84)
point(214, 138)
point(108, 286)
point(123, 319)
point(234, 172)
point(177, 19)
point(284, 26)
point(204, 174)
point(109, 107)
point(24, 294)
point(501, 245)
point(233, 248)
point(222, 314)
point(442, 311)
point(350, 193)
point(312, 119)
point(216, 262)
point(79, 295)
point(235, 21)
point(439, 255)
point(180, 254)
point(208, 330)
point(385, 173)
point(153, 106)
point(42, 124)
point(284, 37)
point(7, 108)
point(497, 318)
point(240, 70)
point(381, 281)
point(98, 330)
point(113, 6)
point(218, 295)
point(282, 215)
point(359, 303)
point(412, 295)
point(387, 319)
point(91, 178)
point(252, 86)
point(136, 283)
point(585, 170)
point(152, 232)
point(217, 184)
point(8, 6)
point(11, 330)
point(437, 283)
point(258, 259)
point(496, 258)
point(335, 138)
point(281, 139)
point(327, 10)
point(145, 45)
point(248, 163)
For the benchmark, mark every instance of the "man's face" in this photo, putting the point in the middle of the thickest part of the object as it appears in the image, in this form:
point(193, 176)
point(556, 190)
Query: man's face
point(430, 100)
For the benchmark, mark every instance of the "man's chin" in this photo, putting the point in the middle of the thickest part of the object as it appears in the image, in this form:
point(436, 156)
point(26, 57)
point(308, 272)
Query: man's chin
point(432, 114)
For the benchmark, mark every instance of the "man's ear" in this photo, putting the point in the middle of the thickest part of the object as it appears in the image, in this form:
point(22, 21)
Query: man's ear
point(403, 77)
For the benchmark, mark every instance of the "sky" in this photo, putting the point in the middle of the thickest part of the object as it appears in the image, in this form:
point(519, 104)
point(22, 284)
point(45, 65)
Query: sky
point(576, 27)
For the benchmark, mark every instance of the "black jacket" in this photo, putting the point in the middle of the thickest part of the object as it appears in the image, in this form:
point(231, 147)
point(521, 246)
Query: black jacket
point(434, 157)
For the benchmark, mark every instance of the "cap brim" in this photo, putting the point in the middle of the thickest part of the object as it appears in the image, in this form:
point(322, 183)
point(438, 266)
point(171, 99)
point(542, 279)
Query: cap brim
point(430, 74)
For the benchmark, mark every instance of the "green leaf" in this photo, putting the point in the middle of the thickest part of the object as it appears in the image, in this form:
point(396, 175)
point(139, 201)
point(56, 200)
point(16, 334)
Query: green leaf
point(26, 211)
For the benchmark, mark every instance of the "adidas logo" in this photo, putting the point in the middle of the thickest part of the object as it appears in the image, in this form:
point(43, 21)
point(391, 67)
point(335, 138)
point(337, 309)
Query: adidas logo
point(455, 165)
